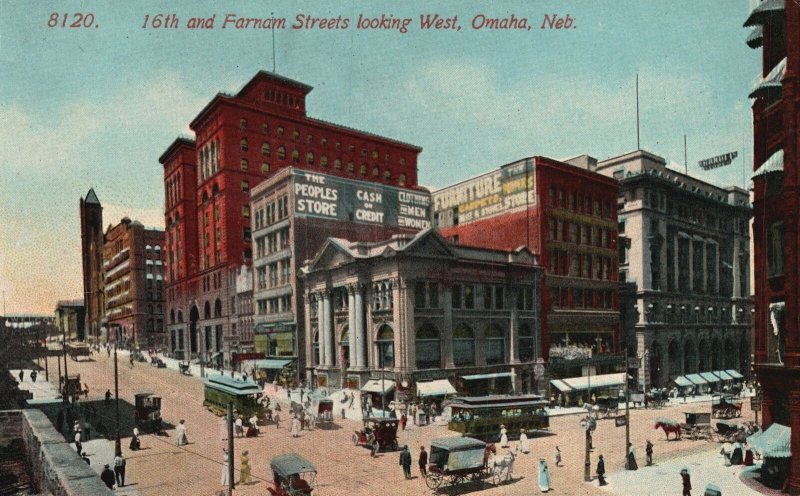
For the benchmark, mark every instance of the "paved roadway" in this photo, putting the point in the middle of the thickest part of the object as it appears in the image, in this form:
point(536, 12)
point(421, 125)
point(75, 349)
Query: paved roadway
point(162, 468)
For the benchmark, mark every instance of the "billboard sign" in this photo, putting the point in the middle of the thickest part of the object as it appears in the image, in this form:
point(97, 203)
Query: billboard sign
point(718, 161)
point(336, 198)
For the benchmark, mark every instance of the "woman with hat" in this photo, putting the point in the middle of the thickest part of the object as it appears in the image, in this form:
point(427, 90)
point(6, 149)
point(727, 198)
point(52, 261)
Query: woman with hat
point(503, 436)
point(244, 471)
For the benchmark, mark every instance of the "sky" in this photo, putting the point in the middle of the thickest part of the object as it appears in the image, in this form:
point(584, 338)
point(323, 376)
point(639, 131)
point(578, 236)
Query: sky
point(95, 106)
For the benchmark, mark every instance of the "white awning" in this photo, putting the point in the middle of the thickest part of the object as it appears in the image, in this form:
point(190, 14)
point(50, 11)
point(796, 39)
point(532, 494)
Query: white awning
point(561, 385)
point(595, 381)
point(773, 164)
point(683, 381)
point(696, 379)
point(774, 442)
point(772, 83)
point(755, 38)
point(439, 387)
point(762, 13)
point(374, 386)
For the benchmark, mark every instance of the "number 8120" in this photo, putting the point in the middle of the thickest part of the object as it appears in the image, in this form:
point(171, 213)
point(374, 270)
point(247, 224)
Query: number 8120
point(79, 20)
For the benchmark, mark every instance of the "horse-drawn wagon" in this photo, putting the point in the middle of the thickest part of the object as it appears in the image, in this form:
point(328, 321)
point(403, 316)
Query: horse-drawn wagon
point(698, 425)
point(724, 406)
point(455, 460)
point(608, 406)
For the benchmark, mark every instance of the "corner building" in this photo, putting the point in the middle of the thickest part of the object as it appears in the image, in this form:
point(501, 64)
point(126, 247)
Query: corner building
point(684, 245)
point(240, 140)
point(565, 214)
point(775, 27)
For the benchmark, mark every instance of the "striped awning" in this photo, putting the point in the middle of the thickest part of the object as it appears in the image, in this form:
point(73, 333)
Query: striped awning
point(764, 11)
point(561, 385)
point(596, 381)
point(696, 379)
point(755, 38)
point(682, 381)
point(438, 387)
point(773, 164)
point(772, 84)
point(774, 442)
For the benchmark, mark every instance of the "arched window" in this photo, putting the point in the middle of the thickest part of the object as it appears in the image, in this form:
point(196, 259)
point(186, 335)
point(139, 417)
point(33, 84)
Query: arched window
point(323, 161)
point(463, 346)
point(264, 168)
point(316, 348)
point(344, 344)
point(495, 346)
point(337, 164)
point(180, 316)
point(265, 149)
point(281, 152)
point(385, 347)
point(689, 358)
point(387, 176)
point(402, 179)
point(310, 158)
point(351, 167)
point(217, 309)
point(243, 145)
point(244, 164)
point(376, 172)
point(527, 343)
point(172, 316)
point(295, 155)
point(207, 311)
point(428, 346)
point(363, 170)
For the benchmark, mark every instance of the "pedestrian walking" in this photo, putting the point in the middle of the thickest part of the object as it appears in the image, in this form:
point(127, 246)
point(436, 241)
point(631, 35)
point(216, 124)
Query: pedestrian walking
point(119, 469)
point(423, 461)
point(558, 456)
point(687, 482)
point(405, 461)
point(180, 433)
point(244, 469)
point(33, 375)
point(403, 420)
point(85, 391)
point(223, 480)
point(239, 426)
point(601, 471)
point(544, 476)
point(295, 430)
point(277, 416)
point(21, 375)
point(524, 446)
point(78, 445)
point(135, 444)
point(85, 458)
point(107, 476)
point(503, 436)
point(108, 397)
point(631, 460)
point(648, 450)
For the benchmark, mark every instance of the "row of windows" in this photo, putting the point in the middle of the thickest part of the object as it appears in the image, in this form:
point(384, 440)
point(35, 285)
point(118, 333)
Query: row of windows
point(173, 190)
point(580, 265)
point(492, 297)
point(578, 202)
point(272, 212)
point(268, 306)
point(572, 232)
point(278, 272)
point(272, 242)
point(209, 160)
point(564, 297)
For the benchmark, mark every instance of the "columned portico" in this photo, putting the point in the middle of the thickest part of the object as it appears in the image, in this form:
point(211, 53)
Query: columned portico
point(361, 338)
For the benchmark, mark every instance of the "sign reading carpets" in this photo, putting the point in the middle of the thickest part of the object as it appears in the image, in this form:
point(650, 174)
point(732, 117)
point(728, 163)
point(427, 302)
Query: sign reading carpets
point(331, 197)
point(718, 161)
point(508, 188)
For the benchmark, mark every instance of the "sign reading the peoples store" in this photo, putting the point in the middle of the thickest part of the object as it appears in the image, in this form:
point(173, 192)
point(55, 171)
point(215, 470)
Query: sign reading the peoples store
point(331, 197)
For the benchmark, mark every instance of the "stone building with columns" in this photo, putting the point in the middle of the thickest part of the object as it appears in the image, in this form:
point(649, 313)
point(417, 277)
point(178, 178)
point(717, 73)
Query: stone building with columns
point(684, 244)
point(420, 308)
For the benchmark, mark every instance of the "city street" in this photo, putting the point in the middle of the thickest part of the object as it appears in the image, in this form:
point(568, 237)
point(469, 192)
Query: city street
point(163, 468)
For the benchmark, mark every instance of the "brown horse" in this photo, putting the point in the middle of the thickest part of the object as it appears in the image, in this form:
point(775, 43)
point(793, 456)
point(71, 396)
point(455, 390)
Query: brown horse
point(669, 427)
point(490, 449)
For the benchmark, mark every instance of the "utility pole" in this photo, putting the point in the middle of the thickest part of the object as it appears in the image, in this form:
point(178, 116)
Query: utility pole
point(117, 443)
point(627, 411)
point(230, 448)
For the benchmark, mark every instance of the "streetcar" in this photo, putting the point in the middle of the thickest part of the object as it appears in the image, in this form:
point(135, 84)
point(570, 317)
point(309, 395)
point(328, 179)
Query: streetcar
point(482, 416)
point(219, 390)
point(76, 350)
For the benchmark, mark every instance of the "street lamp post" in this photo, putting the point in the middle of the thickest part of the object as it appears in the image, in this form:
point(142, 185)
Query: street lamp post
point(588, 424)
point(117, 443)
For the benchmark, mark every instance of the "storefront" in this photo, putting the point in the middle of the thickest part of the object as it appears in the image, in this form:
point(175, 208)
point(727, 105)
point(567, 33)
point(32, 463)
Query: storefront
point(574, 391)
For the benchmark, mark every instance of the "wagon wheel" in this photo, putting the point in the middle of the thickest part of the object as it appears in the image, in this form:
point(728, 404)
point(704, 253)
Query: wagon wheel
point(355, 439)
point(433, 480)
point(476, 475)
point(394, 445)
point(457, 479)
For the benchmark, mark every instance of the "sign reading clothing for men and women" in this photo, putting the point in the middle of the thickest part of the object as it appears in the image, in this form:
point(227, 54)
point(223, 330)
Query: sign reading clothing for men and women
point(336, 198)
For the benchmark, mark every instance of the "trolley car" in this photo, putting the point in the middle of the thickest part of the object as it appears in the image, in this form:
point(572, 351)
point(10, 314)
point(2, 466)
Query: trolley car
point(219, 390)
point(481, 416)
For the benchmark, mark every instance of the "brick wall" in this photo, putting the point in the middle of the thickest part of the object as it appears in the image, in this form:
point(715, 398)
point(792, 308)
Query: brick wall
point(55, 465)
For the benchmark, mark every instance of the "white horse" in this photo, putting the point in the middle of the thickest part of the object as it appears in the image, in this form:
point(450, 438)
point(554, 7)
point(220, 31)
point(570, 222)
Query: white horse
point(503, 466)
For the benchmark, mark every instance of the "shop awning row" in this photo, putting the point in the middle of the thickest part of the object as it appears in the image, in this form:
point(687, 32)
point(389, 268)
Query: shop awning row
point(682, 381)
point(271, 363)
point(439, 387)
point(476, 377)
point(587, 382)
point(774, 442)
point(772, 84)
point(378, 386)
point(707, 377)
point(762, 13)
point(734, 373)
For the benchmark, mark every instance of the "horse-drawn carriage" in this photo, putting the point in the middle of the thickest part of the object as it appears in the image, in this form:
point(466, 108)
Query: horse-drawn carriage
point(729, 432)
point(455, 460)
point(76, 350)
point(321, 410)
point(147, 413)
point(656, 398)
point(608, 406)
point(723, 406)
point(697, 426)
point(292, 475)
point(378, 434)
point(184, 368)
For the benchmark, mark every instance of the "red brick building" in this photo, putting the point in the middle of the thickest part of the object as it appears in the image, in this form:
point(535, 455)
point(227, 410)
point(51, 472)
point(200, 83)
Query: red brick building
point(776, 224)
point(566, 214)
point(241, 140)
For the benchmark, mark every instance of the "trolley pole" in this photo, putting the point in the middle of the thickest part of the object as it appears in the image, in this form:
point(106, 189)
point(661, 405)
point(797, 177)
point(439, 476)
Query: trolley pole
point(627, 412)
point(230, 448)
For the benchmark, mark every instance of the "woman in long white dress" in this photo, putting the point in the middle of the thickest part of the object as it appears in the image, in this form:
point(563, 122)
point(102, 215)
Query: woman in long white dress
point(524, 446)
point(224, 477)
point(544, 476)
point(503, 436)
point(295, 427)
point(180, 434)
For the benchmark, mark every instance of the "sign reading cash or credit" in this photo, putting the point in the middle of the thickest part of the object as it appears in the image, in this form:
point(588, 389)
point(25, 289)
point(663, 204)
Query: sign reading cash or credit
point(331, 197)
point(718, 161)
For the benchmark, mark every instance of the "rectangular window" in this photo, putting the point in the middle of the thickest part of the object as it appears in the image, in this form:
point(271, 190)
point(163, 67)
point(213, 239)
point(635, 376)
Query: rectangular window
point(247, 234)
point(572, 201)
point(245, 185)
point(573, 233)
point(419, 294)
point(574, 267)
point(577, 297)
point(551, 227)
point(245, 211)
point(457, 296)
point(499, 298)
point(552, 196)
point(433, 295)
point(487, 297)
point(469, 297)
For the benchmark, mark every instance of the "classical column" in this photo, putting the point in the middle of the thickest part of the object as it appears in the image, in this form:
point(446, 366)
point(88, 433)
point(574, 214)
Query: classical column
point(307, 331)
point(351, 324)
point(327, 327)
point(706, 289)
point(361, 337)
point(691, 264)
point(513, 327)
point(320, 330)
point(675, 262)
point(447, 332)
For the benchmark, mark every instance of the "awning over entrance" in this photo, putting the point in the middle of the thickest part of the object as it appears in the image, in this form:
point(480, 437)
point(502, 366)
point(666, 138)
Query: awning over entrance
point(774, 442)
point(762, 12)
point(696, 379)
point(595, 381)
point(709, 377)
point(772, 84)
point(476, 377)
point(773, 164)
point(272, 363)
point(682, 381)
point(439, 387)
point(561, 385)
point(374, 386)
point(734, 373)
point(723, 375)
